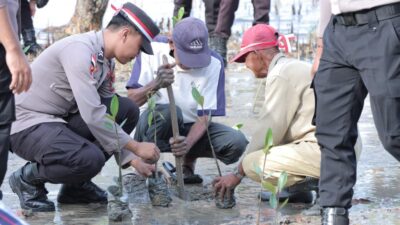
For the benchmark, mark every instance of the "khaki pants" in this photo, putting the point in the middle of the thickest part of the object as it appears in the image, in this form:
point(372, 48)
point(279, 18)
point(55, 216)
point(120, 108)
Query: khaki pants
point(298, 160)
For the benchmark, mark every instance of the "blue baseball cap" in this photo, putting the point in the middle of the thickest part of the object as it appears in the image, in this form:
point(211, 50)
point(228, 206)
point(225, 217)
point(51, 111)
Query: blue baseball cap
point(190, 37)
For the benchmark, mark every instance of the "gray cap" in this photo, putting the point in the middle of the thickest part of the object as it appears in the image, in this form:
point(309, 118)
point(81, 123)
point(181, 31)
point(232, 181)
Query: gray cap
point(190, 37)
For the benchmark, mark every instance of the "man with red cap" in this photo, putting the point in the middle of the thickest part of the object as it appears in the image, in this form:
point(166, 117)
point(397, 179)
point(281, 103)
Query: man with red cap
point(61, 125)
point(288, 110)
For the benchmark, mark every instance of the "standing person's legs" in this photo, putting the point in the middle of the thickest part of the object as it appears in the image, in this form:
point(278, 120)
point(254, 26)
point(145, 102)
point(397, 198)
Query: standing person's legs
point(261, 11)
point(381, 73)
point(27, 29)
point(220, 35)
point(211, 14)
point(340, 95)
point(186, 4)
point(7, 114)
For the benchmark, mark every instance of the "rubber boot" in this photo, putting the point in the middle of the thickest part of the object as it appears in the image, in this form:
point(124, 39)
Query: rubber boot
point(30, 189)
point(334, 216)
point(81, 193)
point(28, 35)
point(219, 44)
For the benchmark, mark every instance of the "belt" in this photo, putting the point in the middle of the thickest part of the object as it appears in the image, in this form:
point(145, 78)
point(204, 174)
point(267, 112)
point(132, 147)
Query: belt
point(364, 16)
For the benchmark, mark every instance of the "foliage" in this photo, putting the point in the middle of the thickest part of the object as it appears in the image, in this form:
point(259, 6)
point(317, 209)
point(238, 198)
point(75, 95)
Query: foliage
point(238, 126)
point(200, 101)
point(176, 19)
point(275, 190)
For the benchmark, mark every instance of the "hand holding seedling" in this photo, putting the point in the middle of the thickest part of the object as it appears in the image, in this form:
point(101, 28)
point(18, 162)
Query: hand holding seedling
point(143, 168)
point(165, 75)
point(179, 146)
point(149, 152)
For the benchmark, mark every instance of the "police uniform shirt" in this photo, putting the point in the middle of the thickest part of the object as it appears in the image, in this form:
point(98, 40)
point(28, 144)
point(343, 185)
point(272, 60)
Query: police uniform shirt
point(68, 77)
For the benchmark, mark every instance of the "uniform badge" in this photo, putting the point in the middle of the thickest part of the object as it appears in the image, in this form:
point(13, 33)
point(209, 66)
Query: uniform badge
point(93, 65)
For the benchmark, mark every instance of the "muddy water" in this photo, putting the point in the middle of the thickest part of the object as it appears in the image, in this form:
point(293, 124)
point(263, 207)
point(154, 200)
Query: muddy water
point(376, 198)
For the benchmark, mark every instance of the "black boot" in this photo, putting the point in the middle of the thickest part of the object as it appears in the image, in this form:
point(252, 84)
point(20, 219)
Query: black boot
point(82, 193)
point(300, 192)
point(30, 189)
point(28, 35)
point(335, 216)
point(219, 44)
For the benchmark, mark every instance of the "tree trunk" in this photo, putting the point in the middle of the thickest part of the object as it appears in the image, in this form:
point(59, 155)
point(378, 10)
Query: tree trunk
point(88, 16)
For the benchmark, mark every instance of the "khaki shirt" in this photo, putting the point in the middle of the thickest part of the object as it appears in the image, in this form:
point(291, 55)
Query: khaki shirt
point(12, 8)
point(289, 104)
point(68, 77)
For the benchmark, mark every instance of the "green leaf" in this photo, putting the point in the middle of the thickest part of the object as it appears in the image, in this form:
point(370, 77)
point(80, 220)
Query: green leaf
point(151, 102)
point(174, 21)
point(282, 180)
point(284, 203)
point(180, 13)
point(266, 150)
point(110, 117)
point(114, 106)
point(268, 139)
point(150, 119)
point(257, 169)
point(273, 202)
point(26, 49)
point(269, 187)
point(123, 123)
point(197, 96)
point(109, 125)
point(237, 126)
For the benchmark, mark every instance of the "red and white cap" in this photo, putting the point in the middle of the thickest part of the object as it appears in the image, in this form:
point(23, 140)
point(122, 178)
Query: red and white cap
point(260, 36)
point(141, 21)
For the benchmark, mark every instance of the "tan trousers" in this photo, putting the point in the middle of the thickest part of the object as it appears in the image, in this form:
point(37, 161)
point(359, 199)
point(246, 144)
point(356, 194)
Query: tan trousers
point(298, 160)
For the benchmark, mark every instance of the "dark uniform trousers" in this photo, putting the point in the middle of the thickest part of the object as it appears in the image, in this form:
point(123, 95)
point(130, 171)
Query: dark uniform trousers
point(66, 153)
point(359, 58)
point(220, 14)
point(229, 144)
point(7, 113)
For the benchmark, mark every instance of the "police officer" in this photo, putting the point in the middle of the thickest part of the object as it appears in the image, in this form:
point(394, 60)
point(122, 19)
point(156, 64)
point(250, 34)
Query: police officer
point(15, 76)
point(360, 56)
point(62, 127)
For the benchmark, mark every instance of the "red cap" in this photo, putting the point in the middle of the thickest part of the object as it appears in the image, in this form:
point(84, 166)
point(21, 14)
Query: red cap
point(260, 36)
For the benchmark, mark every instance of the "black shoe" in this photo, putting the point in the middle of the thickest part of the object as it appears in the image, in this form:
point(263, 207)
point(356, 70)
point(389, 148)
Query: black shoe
point(30, 44)
point(298, 197)
point(335, 216)
point(300, 192)
point(82, 193)
point(30, 189)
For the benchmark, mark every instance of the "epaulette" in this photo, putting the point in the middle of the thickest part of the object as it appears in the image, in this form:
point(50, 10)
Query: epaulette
point(100, 56)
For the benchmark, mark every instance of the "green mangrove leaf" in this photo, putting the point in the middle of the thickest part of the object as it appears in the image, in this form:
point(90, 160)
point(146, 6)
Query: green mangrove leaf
point(268, 139)
point(151, 102)
point(150, 119)
point(180, 13)
point(123, 123)
point(284, 203)
point(110, 117)
point(257, 169)
point(269, 187)
point(109, 125)
point(237, 126)
point(197, 96)
point(273, 202)
point(114, 106)
point(161, 115)
point(282, 180)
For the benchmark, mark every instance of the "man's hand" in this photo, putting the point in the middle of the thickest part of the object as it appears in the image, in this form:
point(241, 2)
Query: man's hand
point(20, 71)
point(225, 183)
point(317, 57)
point(165, 76)
point(143, 168)
point(179, 146)
point(149, 152)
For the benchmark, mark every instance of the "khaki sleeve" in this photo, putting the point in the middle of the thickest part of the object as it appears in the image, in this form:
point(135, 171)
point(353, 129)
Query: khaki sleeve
point(279, 108)
point(75, 59)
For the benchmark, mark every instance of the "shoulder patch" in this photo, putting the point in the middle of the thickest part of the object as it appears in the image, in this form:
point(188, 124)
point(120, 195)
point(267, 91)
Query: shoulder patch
point(93, 65)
